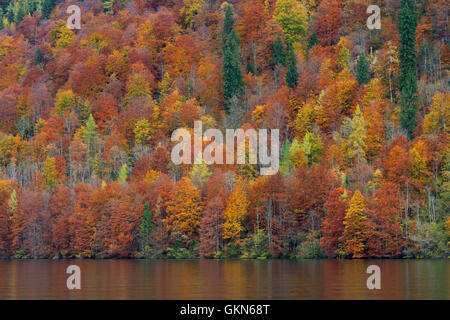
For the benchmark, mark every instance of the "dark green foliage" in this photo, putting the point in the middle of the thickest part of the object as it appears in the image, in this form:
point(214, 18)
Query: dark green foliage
point(15, 10)
point(408, 80)
point(249, 68)
point(19, 13)
point(47, 8)
point(292, 73)
point(362, 70)
point(228, 23)
point(1, 19)
point(38, 58)
point(312, 41)
point(278, 56)
point(233, 84)
point(146, 227)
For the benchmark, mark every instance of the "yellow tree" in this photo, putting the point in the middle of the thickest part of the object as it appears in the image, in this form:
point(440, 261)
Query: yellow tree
point(142, 131)
point(235, 213)
point(65, 100)
point(438, 119)
point(50, 173)
point(184, 210)
point(292, 16)
point(420, 174)
point(357, 139)
point(355, 227)
point(61, 36)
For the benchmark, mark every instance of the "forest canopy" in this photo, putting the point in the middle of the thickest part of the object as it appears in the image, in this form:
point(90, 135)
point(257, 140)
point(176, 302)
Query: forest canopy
point(87, 117)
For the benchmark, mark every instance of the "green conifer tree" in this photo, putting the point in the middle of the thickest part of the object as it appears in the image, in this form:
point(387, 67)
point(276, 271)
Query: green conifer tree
point(312, 41)
point(146, 227)
point(407, 23)
point(292, 73)
point(278, 56)
point(47, 8)
point(362, 70)
point(233, 84)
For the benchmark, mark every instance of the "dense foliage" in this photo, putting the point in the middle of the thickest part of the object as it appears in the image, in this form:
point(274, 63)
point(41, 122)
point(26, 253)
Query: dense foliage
point(87, 116)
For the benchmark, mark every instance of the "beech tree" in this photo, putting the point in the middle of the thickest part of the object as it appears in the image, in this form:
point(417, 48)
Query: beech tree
point(184, 211)
point(355, 227)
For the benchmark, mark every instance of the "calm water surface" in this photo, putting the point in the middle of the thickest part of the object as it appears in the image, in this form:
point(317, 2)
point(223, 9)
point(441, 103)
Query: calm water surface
point(236, 279)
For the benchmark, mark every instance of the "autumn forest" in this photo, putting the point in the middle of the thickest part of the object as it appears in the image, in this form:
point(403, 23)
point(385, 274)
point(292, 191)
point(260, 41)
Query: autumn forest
point(86, 118)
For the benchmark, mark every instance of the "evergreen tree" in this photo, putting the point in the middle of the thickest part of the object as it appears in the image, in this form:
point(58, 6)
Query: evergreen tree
point(38, 58)
point(278, 56)
point(362, 70)
point(232, 75)
point(312, 41)
point(146, 227)
point(228, 23)
point(18, 12)
point(47, 8)
point(1, 19)
point(249, 68)
point(407, 24)
point(292, 73)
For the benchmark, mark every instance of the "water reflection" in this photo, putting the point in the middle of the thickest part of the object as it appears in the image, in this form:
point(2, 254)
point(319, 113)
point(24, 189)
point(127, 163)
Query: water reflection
point(231, 279)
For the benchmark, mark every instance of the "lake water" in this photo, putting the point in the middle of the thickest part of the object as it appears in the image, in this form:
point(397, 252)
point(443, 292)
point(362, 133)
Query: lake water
point(230, 279)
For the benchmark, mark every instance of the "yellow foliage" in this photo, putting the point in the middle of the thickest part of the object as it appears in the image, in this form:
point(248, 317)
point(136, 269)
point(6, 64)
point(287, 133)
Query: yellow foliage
point(50, 173)
point(6, 45)
point(438, 119)
point(142, 131)
point(184, 209)
point(190, 10)
point(61, 36)
point(235, 213)
point(65, 100)
point(419, 171)
point(354, 226)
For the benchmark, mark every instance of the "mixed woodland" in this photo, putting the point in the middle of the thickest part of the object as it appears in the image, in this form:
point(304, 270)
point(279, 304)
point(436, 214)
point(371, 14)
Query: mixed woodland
point(86, 118)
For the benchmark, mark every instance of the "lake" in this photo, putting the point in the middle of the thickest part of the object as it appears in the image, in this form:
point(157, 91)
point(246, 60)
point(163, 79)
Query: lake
point(225, 279)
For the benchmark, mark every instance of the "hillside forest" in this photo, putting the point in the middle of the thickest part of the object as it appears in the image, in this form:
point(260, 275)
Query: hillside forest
point(87, 117)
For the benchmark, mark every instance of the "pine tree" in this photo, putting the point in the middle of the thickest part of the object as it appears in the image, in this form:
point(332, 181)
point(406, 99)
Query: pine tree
point(18, 12)
point(38, 58)
point(233, 84)
point(228, 23)
point(278, 56)
point(146, 227)
point(1, 19)
point(407, 24)
point(362, 70)
point(47, 7)
point(312, 41)
point(249, 68)
point(292, 73)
